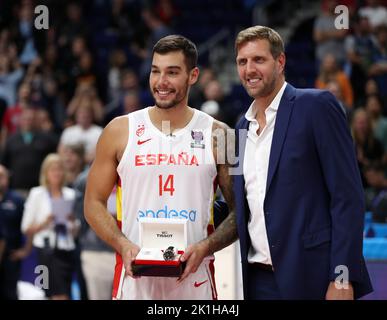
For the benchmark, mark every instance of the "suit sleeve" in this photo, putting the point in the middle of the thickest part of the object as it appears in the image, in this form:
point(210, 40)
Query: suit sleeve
point(341, 173)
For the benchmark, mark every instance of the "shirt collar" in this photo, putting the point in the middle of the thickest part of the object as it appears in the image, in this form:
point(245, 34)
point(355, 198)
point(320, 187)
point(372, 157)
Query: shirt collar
point(252, 111)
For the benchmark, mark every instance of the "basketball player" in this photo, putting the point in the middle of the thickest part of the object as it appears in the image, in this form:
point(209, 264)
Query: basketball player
point(165, 159)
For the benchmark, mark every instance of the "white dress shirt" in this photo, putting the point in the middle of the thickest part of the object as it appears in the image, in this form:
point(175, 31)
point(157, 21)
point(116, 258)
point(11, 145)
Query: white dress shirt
point(255, 171)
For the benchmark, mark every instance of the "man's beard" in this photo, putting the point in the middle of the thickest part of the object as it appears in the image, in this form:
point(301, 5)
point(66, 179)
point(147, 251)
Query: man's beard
point(168, 104)
point(171, 104)
point(265, 91)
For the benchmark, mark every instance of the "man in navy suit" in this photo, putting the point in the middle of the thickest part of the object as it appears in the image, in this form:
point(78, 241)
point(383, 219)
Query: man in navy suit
point(299, 198)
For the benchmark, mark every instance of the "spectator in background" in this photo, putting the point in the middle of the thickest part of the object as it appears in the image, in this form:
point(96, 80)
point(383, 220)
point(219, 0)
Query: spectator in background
point(129, 81)
point(124, 21)
point(197, 98)
point(11, 120)
point(96, 256)
point(86, 95)
point(73, 156)
point(84, 72)
point(376, 193)
point(158, 30)
point(328, 38)
point(117, 62)
point(43, 122)
point(48, 217)
point(334, 88)
point(50, 58)
point(29, 40)
point(73, 26)
point(359, 47)
point(79, 46)
point(118, 20)
point(84, 132)
point(11, 74)
point(378, 68)
point(131, 102)
point(375, 12)
point(128, 93)
point(374, 110)
point(33, 77)
point(330, 71)
point(167, 11)
point(68, 64)
point(52, 101)
point(368, 148)
point(4, 39)
point(370, 88)
point(3, 109)
point(216, 104)
point(24, 152)
point(11, 212)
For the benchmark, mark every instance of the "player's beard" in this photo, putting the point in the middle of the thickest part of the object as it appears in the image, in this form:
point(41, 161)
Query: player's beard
point(180, 95)
point(265, 90)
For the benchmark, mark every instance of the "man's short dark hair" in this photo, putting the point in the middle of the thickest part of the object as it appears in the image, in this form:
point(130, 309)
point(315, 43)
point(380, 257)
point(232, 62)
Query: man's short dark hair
point(173, 43)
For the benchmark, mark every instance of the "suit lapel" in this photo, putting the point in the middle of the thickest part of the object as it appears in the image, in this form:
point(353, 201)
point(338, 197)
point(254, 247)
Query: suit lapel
point(242, 209)
point(241, 135)
point(241, 143)
point(281, 126)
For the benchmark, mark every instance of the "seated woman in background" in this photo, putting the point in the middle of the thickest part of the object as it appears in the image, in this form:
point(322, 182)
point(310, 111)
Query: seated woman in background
point(330, 71)
point(368, 148)
point(48, 218)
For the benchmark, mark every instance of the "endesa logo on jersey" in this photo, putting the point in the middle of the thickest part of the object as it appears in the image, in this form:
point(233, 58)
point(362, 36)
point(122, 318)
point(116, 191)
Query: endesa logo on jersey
point(189, 214)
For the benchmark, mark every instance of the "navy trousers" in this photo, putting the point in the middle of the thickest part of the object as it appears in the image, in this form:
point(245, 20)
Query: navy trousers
point(261, 284)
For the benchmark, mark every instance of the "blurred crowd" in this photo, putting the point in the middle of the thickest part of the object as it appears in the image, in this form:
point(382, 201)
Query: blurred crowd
point(59, 87)
point(352, 64)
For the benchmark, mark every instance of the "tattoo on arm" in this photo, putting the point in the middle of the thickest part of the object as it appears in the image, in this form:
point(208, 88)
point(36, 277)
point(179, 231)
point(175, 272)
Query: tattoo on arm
point(226, 232)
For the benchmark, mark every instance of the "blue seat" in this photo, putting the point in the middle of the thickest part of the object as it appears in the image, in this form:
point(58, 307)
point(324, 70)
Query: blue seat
point(375, 248)
point(375, 230)
point(380, 230)
point(368, 217)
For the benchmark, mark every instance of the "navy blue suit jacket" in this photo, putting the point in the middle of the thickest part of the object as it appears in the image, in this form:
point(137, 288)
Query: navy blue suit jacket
point(314, 204)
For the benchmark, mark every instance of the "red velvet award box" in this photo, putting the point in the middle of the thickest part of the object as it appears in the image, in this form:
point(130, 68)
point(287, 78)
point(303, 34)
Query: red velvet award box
point(156, 236)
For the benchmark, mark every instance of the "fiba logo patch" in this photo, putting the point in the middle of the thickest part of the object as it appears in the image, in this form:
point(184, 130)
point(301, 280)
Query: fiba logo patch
point(197, 137)
point(140, 130)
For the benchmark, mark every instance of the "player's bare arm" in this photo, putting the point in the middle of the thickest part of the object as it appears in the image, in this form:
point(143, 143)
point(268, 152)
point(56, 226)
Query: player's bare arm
point(226, 232)
point(101, 180)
